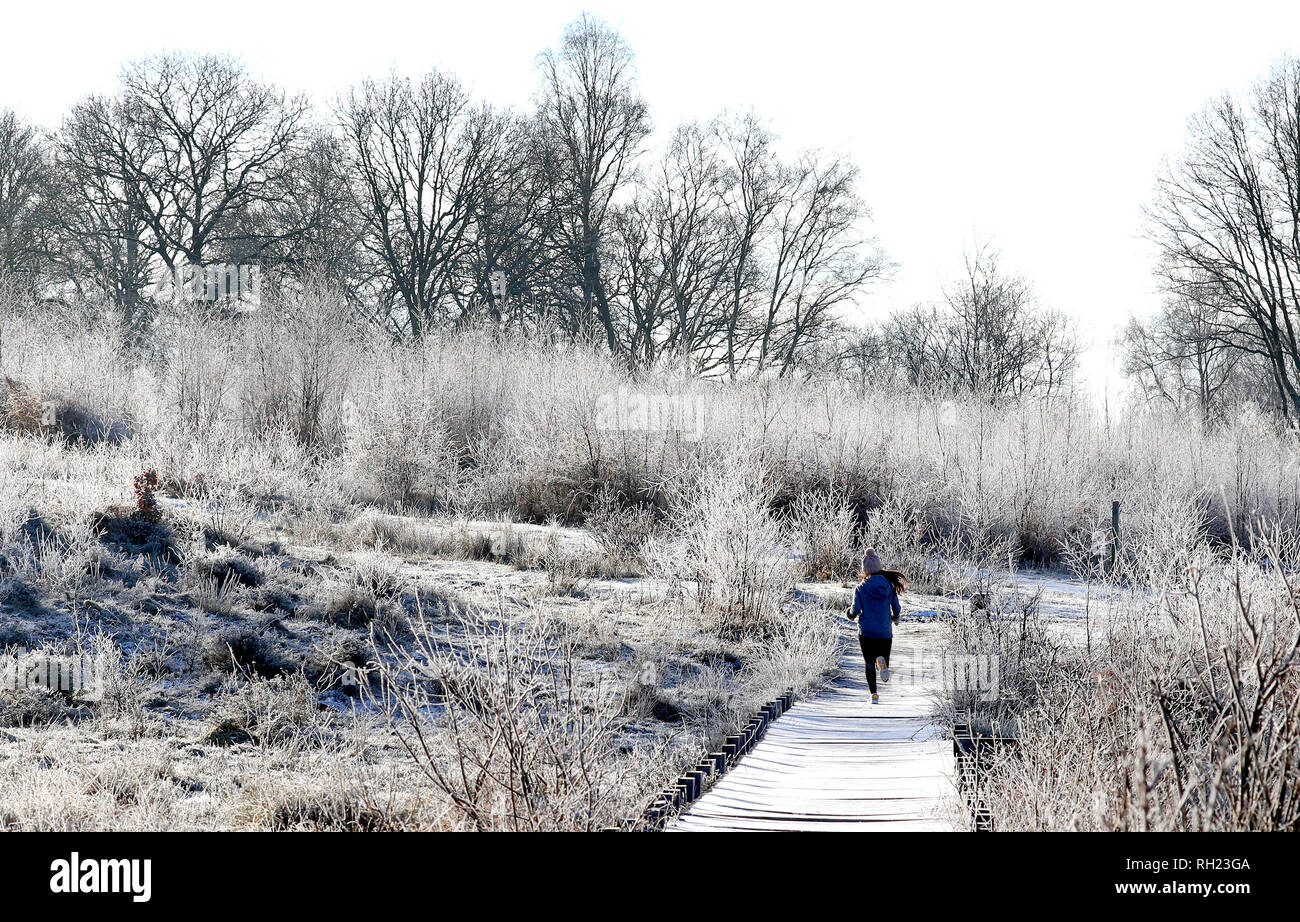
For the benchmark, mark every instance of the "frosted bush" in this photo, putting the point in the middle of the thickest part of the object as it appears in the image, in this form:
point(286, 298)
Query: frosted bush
point(296, 359)
point(490, 425)
point(400, 453)
point(821, 527)
point(723, 543)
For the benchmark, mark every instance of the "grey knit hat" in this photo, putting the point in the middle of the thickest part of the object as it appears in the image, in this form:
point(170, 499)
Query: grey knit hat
point(871, 563)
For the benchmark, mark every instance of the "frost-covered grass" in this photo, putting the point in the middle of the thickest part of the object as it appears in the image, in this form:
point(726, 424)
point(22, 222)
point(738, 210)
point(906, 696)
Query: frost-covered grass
point(241, 658)
point(332, 501)
point(297, 409)
point(1172, 706)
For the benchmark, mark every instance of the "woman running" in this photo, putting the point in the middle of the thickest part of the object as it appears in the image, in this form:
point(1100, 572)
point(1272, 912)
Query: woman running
point(875, 606)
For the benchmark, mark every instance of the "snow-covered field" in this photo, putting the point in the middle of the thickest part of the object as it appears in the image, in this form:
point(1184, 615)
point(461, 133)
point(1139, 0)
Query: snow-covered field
point(233, 704)
point(306, 610)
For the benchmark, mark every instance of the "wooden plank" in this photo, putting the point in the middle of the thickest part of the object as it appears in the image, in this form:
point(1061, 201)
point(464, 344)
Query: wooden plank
point(837, 762)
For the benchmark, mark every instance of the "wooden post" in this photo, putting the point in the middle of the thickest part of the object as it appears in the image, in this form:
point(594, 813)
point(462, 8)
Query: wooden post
point(1114, 532)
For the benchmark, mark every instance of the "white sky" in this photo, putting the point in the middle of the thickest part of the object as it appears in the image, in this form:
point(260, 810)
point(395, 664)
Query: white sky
point(1033, 125)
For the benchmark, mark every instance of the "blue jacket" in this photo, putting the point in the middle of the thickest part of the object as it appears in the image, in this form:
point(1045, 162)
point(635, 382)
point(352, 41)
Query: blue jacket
point(874, 605)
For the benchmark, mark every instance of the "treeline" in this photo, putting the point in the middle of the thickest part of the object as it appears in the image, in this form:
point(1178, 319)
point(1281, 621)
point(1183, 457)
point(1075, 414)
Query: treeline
point(986, 335)
point(432, 210)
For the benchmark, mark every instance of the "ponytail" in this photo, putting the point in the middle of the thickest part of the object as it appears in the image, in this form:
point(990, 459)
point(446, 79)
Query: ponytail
point(897, 579)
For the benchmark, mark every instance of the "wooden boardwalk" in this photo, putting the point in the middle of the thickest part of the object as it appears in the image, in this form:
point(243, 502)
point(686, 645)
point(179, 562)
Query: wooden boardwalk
point(836, 762)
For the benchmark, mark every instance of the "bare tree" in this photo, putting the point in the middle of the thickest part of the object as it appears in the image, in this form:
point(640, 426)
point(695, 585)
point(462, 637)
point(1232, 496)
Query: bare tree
point(1227, 221)
point(100, 224)
point(1001, 344)
point(642, 283)
point(918, 344)
point(172, 168)
point(1182, 356)
point(26, 191)
point(988, 337)
point(310, 227)
point(199, 141)
point(512, 235)
point(420, 154)
point(856, 355)
point(750, 200)
point(592, 121)
point(676, 255)
point(817, 260)
point(729, 260)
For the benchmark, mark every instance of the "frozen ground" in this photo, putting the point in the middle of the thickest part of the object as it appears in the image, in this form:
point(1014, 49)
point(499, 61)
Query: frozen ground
point(231, 706)
point(236, 635)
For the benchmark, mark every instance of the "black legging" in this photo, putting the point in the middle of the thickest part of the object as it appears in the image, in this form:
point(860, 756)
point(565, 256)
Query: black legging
point(871, 648)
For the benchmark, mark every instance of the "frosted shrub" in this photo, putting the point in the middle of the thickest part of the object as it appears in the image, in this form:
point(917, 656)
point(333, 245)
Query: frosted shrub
point(1161, 534)
point(1180, 715)
point(265, 469)
point(724, 544)
point(513, 729)
point(799, 652)
point(897, 532)
point(552, 452)
point(79, 369)
point(20, 410)
point(268, 711)
point(297, 358)
point(821, 529)
point(966, 558)
point(13, 514)
point(62, 563)
point(199, 366)
point(621, 530)
point(400, 453)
